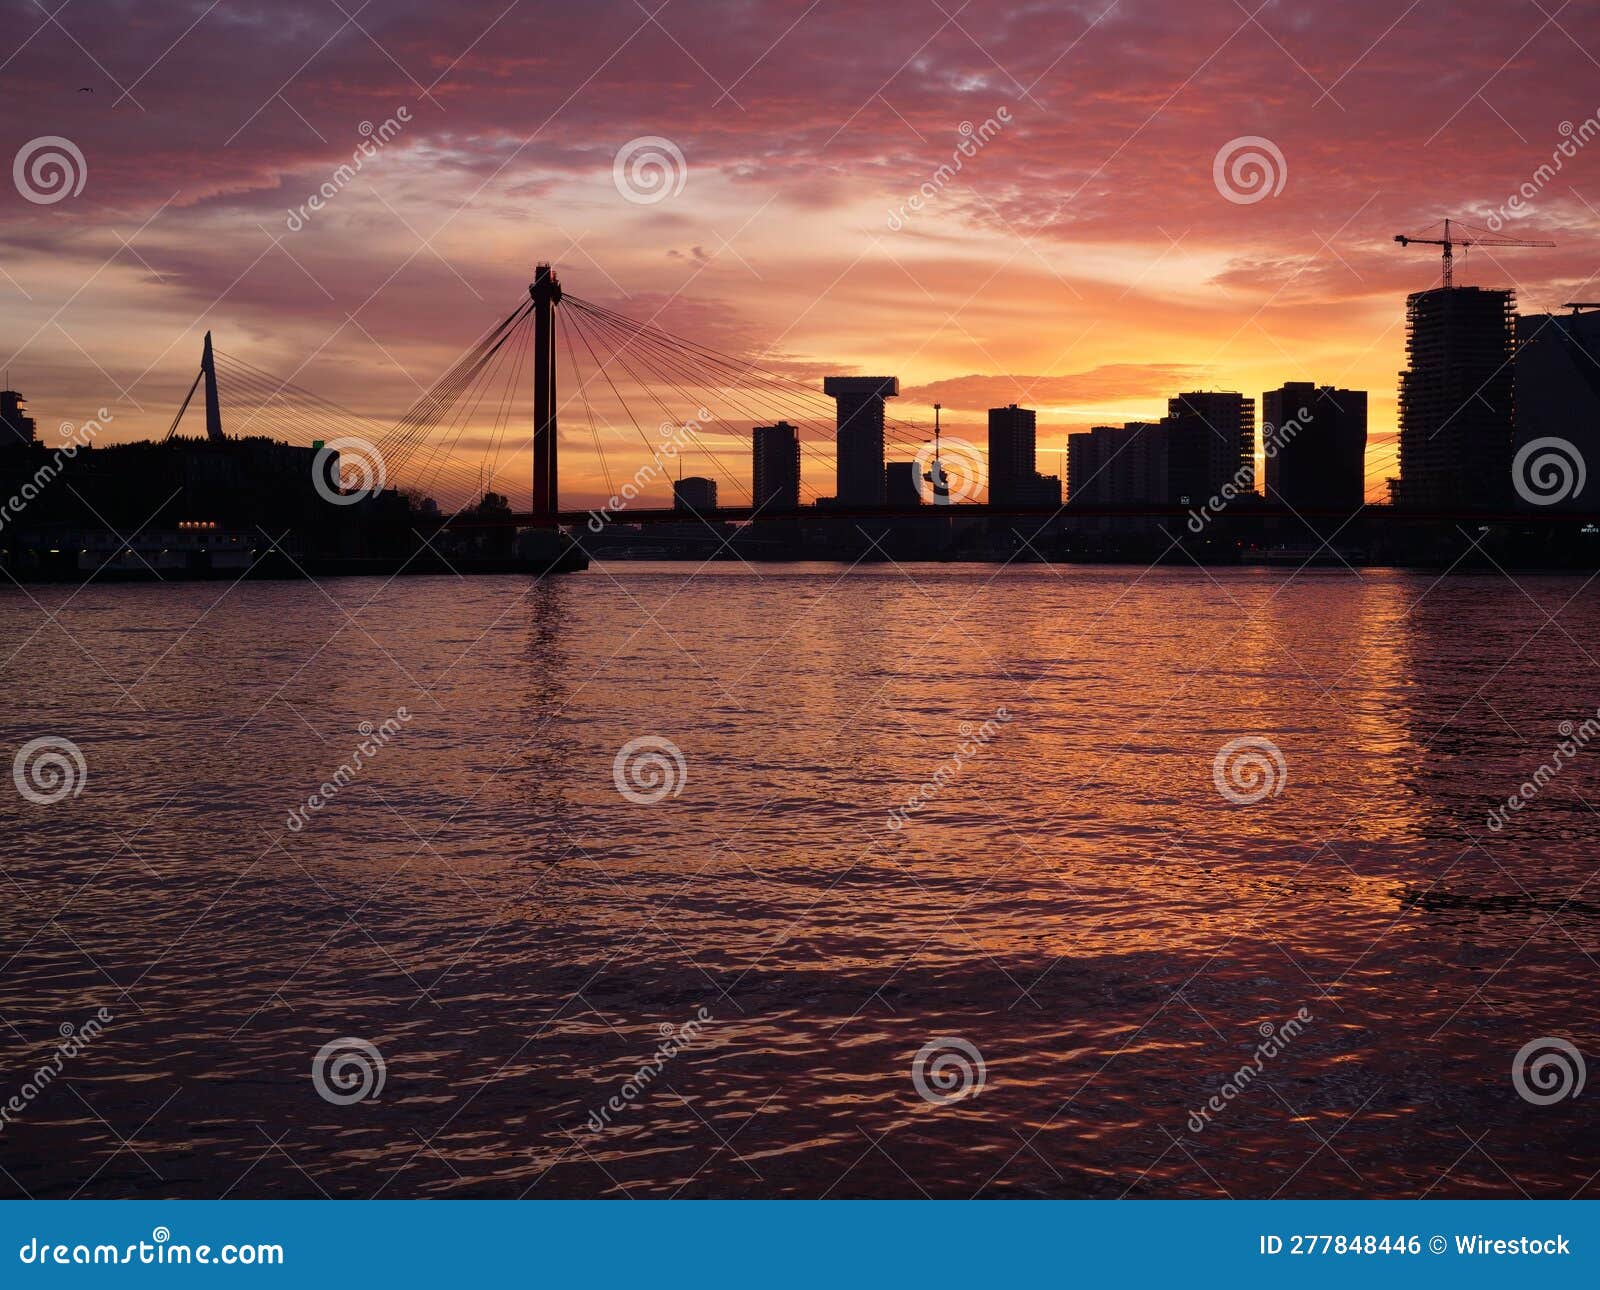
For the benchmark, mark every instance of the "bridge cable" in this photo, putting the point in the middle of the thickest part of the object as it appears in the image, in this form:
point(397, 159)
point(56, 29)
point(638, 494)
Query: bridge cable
point(580, 384)
point(647, 345)
point(687, 425)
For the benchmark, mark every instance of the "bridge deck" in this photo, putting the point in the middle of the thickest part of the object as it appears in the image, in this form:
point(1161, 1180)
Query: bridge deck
point(978, 510)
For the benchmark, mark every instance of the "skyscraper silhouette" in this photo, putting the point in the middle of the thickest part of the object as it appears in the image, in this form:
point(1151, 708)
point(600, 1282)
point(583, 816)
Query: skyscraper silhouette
point(1558, 395)
point(775, 468)
point(1014, 479)
point(900, 485)
point(1211, 441)
point(1317, 461)
point(859, 447)
point(1118, 465)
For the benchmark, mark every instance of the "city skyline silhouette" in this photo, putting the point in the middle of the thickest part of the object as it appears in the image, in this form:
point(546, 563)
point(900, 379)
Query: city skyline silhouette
point(806, 601)
point(980, 250)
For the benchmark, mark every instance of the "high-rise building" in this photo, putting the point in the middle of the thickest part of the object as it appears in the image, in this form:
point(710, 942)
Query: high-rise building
point(1315, 442)
point(1014, 479)
point(1558, 397)
point(1086, 466)
point(859, 447)
point(1118, 465)
point(1012, 434)
point(1457, 398)
point(900, 487)
point(694, 494)
point(775, 468)
point(16, 426)
point(1211, 441)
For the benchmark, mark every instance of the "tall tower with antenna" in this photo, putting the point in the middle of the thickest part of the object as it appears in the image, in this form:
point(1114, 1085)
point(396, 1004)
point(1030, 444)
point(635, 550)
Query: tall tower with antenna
point(937, 480)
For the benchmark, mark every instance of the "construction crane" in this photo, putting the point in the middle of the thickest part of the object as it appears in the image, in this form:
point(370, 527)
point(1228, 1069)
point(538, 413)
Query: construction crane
point(1477, 238)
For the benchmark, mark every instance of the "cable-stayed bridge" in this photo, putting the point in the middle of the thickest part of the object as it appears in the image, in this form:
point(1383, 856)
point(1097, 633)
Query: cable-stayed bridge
point(633, 398)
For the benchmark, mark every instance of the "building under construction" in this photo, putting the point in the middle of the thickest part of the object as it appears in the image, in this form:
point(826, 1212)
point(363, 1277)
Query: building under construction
point(1457, 399)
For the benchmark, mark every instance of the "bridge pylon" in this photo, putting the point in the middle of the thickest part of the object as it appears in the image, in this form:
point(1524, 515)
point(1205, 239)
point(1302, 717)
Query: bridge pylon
point(208, 374)
point(545, 290)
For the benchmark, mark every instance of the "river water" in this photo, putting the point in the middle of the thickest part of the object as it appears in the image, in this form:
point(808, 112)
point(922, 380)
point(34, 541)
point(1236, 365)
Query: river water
point(956, 811)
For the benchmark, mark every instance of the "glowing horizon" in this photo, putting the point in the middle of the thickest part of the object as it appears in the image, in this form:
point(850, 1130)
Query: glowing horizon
point(1019, 206)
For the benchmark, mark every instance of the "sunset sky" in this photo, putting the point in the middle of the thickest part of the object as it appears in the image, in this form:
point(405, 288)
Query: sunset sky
point(1083, 261)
